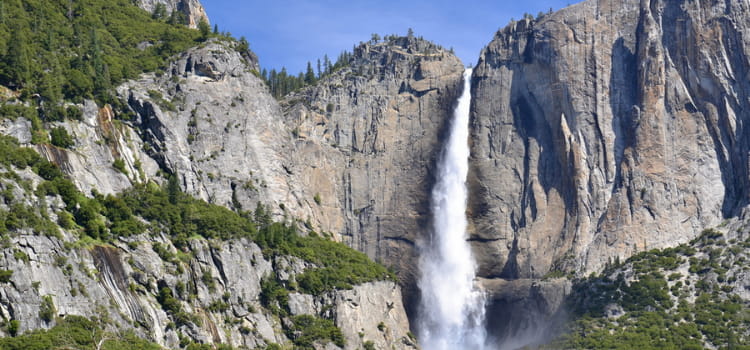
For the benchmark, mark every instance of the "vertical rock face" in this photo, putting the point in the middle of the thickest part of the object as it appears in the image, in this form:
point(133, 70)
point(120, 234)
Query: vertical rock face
point(212, 122)
point(607, 128)
point(367, 139)
point(350, 155)
point(192, 9)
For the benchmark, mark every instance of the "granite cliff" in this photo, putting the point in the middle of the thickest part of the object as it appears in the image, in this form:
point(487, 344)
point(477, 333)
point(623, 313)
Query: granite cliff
point(600, 131)
point(367, 139)
point(606, 129)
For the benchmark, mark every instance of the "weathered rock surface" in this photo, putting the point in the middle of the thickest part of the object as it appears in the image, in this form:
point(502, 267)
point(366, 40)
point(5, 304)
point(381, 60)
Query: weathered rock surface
point(367, 140)
point(605, 129)
point(122, 283)
point(211, 121)
point(100, 140)
point(192, 9)
point(336, 154)
point(360, 315)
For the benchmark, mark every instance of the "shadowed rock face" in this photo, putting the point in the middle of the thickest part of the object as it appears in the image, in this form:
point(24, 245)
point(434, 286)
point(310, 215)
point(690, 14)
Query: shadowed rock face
point(607, 128)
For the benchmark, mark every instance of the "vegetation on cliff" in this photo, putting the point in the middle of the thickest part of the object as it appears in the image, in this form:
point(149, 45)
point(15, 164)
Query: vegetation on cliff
point(73, 50)
point(675, 298)
point(154, 209)
point(75, 332)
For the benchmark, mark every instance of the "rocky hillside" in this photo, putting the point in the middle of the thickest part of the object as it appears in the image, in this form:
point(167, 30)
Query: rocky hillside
point(98, 242)
point(606, 129)
point(176, 270)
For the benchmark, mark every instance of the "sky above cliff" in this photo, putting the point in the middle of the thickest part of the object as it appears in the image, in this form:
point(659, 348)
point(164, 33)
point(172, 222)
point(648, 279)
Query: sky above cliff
point(289, 33)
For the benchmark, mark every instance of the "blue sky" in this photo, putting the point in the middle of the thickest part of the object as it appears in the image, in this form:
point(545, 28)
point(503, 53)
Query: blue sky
point(289, 33)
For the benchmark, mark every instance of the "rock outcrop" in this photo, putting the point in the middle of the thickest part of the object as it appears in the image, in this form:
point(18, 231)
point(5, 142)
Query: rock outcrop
point(192, 9)
point(367, 139)
point(123, 284)
point(332, 154)
point(605, 129)
point(211, 121)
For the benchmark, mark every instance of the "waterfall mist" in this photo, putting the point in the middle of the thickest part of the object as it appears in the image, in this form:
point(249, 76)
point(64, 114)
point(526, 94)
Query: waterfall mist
point(451, 310)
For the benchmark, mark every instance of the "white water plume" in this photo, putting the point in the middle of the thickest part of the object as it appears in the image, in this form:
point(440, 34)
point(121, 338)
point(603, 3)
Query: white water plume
point(451, 312)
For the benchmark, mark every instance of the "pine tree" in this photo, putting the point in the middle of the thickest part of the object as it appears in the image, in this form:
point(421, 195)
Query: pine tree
point(18, 57)
point(309, 74)
point(50, 87)
point(327, 64)
point(204, 29)
point(173, 189)
point(160, 11)
point(243, 45)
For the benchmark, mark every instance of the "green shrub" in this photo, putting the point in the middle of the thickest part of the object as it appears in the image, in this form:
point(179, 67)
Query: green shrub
point(47, 309)
point(307, 329)
point(74, 113)
point(13, 327)
point(61, 138)
point(73, 332)
point(119, 164)
point(5, 276)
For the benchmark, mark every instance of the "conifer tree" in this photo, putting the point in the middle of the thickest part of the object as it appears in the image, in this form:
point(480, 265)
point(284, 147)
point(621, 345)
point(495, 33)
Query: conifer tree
point(204, 29)
point(309, 74)
point(19, 65)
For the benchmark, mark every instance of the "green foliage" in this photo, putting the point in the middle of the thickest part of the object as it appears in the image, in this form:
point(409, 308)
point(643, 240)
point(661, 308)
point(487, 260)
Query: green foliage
point(308, 329)
point(317, 199)
point(47, 309)
point(182, 216)
point(119, 164)
point(81, 49)
point(274, 296)
point(218, 306)
point(173, 306)
point(340, 267)
point(658, 311)
point(73, 332)
point(74, 113)
point(281, 83)
point(157, 97)
point(5, 276)
point(13, 327)
point(61, 138)
point(20, 157)
point(204, 28)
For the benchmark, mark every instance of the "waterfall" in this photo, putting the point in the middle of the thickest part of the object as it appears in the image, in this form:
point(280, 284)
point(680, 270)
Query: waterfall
point(451, 311)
